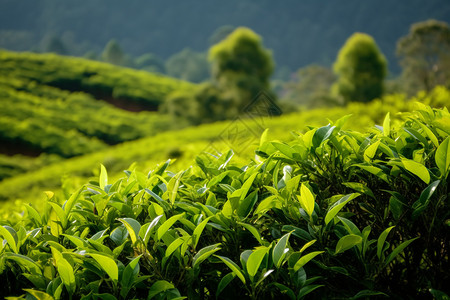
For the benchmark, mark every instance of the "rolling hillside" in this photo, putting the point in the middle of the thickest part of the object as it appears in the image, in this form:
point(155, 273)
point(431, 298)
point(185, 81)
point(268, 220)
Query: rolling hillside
point(66, 106)
point(183, 146)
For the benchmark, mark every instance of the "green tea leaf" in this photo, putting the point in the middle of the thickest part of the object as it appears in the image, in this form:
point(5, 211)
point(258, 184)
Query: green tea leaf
point(233, 266)
point(264, 137)
point(133, 228)
point(174, 246)
point(285, 290)
point(119, 235)
point(77, 241)
point(217, 179)
point(146, 229)
point(10, 236)
point(252, 230)
point(198, 232)
point(307, 245)
point(172, 187)
point(349, 226)
point(422, 203)
point(254, 261)
point(397, 250)
point(159, 287)
point(246, 205)
point(267, 204)
point(370, 151)
point(32, 212)
point(429, 133)
point(306, 199)
point(279, 251)
point(375, 171)
point(286, 150)
point(387, 125)
point(224, 283)
point(60, 213)
point(347, 242)
point(72, 200)
point(442, 157)
point(359, 187)
point(308, 289)
point(322, 134)
point(151, 193)
point(264, 276)
point(65, 270)
point(338, 205)
point(103, 178)
point(414, 133)
point(247, 185)
point(381, 240)
point(305, 259)
point(366, 293)
point(417, 169)
point(24, 262)
point(107, 264)
point(39, 295)
point(166, 225)
point(204, 253)
point(129, 275)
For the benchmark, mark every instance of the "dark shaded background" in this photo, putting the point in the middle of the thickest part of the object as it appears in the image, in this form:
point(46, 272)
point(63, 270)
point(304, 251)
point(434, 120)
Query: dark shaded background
point(298, 32)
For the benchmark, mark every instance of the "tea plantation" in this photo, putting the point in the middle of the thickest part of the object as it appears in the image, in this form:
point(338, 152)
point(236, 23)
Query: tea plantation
point(330, 213)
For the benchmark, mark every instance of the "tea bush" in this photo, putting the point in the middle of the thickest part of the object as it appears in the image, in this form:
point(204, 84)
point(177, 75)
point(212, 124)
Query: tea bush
point(334, 213)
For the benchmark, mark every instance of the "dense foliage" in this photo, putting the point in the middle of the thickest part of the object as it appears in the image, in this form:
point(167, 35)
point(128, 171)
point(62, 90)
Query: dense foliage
point(333, 213)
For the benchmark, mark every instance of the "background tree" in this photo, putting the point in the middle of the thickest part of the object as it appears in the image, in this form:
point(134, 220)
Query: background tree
point(241, 66)
point(361, 69)
point(311, 87)
point(54, 44)
point(425, 56)
point(150, 62)
point(205, 104)
point(221, 33)
point(114, 54)
point(188, 65)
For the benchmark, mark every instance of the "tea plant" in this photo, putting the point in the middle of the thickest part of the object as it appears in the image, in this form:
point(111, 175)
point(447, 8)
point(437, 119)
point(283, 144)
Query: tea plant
point(332, 214)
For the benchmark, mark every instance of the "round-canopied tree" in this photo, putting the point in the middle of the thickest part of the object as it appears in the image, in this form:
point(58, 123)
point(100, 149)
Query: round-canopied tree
point(361, 68)
point(241, 66)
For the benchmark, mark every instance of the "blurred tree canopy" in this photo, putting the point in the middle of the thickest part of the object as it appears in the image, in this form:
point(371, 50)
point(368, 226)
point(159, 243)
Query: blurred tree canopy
point(241, 68)
point(114, 54)
point(425, 56)
point(311, 87)
point(150, 62)
point(241, 53)
point(188, 65)
point(361, 69)
point(221, 33)
point(53, 44)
